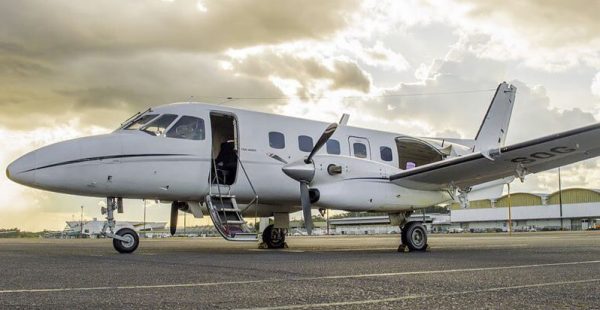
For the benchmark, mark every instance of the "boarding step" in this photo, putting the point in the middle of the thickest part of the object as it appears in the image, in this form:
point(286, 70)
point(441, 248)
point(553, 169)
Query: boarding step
point(228, 219)
point(224, 196)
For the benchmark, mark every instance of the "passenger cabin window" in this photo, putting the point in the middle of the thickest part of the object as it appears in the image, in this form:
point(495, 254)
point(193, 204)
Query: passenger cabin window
point(333, 147)
point(141, 122)
point(158, 126)
point(305, 143)
point(386, 153)
point(276, 140)
point(187, 127)
point(360, 150)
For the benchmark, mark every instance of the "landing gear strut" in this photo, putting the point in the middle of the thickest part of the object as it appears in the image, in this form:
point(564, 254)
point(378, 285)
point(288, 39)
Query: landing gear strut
point(126, 240)
point(274, 238)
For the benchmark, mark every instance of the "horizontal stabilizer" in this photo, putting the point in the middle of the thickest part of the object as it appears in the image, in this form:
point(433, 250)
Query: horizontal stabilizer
point(514, 160)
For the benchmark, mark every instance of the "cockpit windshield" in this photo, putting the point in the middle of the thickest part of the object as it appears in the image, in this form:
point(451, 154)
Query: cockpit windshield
point(159, 125)
point(156, 124)
point(141, 121)
point(187, 127)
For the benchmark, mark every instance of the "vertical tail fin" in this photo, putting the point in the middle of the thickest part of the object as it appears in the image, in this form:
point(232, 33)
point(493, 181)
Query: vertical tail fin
point(492, 133)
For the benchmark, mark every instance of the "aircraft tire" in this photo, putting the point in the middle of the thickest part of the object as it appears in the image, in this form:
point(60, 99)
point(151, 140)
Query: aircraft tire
point(415, 236)
point(274, 238)
point(126, 247)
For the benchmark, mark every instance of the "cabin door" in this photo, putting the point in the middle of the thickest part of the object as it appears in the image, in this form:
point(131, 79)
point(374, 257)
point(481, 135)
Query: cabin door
point(224, 148)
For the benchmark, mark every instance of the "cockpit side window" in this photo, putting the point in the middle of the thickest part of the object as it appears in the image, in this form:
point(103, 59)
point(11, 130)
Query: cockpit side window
point(138, 123)
point(159, 125)
point(187, 127)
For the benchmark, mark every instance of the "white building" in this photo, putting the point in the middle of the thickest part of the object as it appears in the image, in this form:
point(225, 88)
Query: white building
point(93, 228)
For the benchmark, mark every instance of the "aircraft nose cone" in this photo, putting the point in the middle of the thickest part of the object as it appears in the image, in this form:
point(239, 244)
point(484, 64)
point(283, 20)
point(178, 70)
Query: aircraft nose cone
point(21, 170)
point(299, 171)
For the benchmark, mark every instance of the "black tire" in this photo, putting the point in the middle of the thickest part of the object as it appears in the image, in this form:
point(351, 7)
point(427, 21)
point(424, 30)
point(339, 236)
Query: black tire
point(414, 236)
point(126, 247)
point(274, 238)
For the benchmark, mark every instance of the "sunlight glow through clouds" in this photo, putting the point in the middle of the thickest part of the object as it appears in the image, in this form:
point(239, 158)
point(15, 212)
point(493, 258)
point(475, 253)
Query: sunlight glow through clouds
point(331, 58)
point(596, 85)
point(16, 143)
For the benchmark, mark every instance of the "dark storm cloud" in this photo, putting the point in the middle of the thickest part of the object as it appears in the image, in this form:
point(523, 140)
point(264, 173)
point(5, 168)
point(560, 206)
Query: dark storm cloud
point(64, 28)
point(341, 73)
point(73, 59)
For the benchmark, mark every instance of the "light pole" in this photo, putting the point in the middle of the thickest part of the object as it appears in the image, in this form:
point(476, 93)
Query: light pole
point(327, 213)
point(144, 217)
point(81, 224)
point(509, 212)
point(560, 200)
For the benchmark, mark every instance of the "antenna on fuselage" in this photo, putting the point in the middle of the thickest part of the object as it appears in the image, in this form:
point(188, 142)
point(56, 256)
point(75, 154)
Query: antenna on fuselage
point(344, 120)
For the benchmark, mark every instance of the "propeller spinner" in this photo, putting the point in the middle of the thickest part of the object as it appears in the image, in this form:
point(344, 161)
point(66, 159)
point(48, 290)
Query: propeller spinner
point(303, 171)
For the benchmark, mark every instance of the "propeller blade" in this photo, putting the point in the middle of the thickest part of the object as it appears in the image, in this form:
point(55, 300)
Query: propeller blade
point(305, 201)
point(174, 214)
point(322, 140)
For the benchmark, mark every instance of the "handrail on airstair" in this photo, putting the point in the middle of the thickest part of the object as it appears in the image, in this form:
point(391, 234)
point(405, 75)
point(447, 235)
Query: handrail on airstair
point(214, 179)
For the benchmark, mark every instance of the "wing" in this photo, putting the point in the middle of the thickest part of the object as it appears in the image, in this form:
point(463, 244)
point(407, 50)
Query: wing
point(514, 160)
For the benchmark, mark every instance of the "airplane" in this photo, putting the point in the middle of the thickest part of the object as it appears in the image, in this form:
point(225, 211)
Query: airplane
point(231, 163)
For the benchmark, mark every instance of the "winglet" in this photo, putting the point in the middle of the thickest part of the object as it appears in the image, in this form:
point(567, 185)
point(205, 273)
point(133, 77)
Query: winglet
point(493, 129)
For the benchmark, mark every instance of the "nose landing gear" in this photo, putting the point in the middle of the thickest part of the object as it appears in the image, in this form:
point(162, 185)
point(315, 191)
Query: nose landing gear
point(126, 240)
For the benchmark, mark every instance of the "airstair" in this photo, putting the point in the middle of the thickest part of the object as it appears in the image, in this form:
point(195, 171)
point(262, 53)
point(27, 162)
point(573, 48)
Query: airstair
point(224, 211)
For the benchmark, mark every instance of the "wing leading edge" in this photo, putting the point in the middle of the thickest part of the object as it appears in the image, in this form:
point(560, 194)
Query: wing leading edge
point(514, 160)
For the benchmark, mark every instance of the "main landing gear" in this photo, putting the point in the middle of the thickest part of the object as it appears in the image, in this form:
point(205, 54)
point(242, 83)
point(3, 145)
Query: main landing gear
point(274, 238)
point(413, 235)
point(126, 240)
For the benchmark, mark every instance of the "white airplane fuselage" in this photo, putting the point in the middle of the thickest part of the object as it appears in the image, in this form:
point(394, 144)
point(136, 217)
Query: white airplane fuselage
point(137, 165)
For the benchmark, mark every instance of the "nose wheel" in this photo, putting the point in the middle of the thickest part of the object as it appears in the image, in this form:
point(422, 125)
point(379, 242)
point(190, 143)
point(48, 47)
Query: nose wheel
point(129, 242)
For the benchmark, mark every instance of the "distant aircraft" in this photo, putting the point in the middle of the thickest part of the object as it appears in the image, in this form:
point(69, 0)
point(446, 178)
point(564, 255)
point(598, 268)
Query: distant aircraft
point(204, 159)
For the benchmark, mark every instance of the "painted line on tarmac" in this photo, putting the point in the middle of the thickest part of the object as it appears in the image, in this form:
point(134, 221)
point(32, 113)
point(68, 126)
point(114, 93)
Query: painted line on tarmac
point(340, 277)
point(433, 248)
point(420, 296)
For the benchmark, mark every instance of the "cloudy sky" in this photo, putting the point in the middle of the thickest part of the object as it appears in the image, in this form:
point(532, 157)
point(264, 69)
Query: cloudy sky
point(74, 68)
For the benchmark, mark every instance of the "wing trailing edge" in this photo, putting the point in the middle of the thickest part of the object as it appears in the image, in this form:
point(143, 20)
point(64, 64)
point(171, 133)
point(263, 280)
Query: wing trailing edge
point(514, 160)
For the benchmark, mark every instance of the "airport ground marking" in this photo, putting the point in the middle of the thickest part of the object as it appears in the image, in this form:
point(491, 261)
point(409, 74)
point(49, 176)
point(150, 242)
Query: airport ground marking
point(337, 277)
point(419, 296)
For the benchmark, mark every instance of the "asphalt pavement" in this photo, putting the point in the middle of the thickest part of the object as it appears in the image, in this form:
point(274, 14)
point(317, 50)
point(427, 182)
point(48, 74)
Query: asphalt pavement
point(527, 270)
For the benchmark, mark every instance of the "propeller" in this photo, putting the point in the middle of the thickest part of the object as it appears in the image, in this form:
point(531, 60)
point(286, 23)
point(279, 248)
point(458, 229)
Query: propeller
point(303, 171)
point(329, 131)
point(306, 211)
point(174, 214)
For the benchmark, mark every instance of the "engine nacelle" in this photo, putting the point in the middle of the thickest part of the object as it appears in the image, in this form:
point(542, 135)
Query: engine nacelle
point(354, 184)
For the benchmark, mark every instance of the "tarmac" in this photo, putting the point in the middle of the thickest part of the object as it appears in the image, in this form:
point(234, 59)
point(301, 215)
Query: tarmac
point(537, 270)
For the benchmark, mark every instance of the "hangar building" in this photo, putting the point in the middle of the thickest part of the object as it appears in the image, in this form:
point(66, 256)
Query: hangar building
point(571, 209)
point(576, 208)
